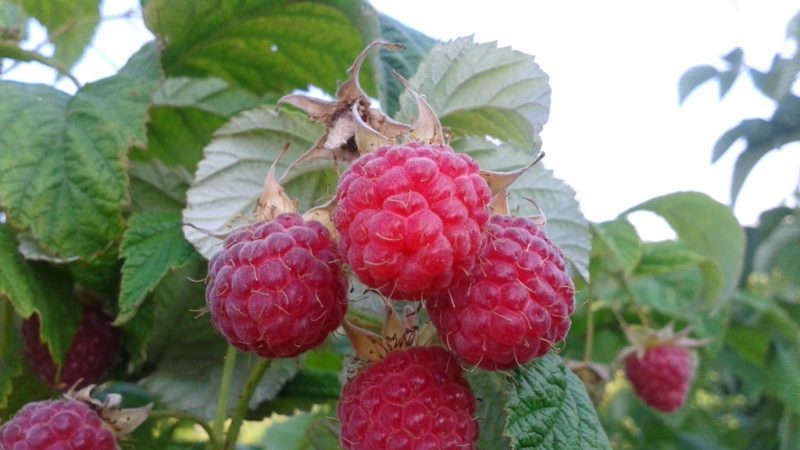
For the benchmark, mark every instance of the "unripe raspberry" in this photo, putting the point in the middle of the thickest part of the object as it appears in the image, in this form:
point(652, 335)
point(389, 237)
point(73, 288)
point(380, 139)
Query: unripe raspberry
point(661, 375)
point(514, 305)
point(277, 288)
point(90, 356)
point(56, 425)
point(413, 399)
point(410, 218)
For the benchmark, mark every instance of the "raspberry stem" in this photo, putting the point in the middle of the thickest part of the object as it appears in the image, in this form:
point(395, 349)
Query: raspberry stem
point(243, 403)
point(224, 392)
point(213, 437)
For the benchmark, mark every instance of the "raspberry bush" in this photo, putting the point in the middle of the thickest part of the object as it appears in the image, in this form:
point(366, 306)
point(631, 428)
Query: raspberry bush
point(384, 266)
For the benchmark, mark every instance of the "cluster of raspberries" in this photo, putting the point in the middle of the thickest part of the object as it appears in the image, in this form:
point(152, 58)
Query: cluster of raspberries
point(413, 223)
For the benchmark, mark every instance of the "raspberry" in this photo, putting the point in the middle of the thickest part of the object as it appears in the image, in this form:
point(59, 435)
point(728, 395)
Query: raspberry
point(56, 424)
point(661, 376)
point(514, 305)
point(91, 355)
point(277, 288)
point(410, 218)
point(415, 399)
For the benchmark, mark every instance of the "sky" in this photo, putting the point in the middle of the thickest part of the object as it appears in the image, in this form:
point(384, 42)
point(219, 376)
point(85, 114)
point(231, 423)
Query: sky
point(616, 132)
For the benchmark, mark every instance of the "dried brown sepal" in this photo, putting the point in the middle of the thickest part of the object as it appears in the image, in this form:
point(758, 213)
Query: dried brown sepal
point(500, 181)
point(367, 138)
point(121, 422)
point(427, 128)
point(368, 345)
point(273, 200)
point(324, 215)
point(351, 89)
point(339, 115)
point(499, 204)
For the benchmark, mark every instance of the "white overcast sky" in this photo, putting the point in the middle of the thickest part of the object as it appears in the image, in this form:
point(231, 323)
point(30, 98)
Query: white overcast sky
point(616, 132)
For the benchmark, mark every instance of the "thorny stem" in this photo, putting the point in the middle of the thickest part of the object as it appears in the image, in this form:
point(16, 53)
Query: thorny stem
point(224, 392)
point(244, 400)
point(213, 437)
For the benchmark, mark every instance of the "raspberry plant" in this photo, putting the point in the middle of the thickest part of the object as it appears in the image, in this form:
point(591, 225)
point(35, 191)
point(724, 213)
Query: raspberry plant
point(406, 276)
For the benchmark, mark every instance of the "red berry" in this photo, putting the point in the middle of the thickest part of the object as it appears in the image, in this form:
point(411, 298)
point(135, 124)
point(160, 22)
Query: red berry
point(410, 218)
point(277, 288)
point(56, 424)
point(91, 355)
point(514, 305)
point(661, 376)
point(414, 399)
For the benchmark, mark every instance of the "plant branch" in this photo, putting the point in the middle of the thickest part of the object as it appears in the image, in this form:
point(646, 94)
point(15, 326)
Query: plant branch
point(213, 437)
point(224, 391)
point(28, 55)
point(244, 401)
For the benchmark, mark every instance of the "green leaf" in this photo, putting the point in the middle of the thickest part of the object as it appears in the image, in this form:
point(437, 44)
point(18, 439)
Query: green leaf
point(675, 296)
point(67, 181)
point(693, 78)
point(777, 254)
point(324, 435)
point(665, 257)
point(405, 62)
point(185, 113)
point(783, 376)
point(264, 46)
point(294, 433)
point(548, 408)
point(481, 90)
point(70, 25)
point(308, 388)
point(156, 187)
point(489, 389)
point(619, 244)
point(168, 318)
point(152, 245)
point(752, 344)
point(230, 177)
point(772, 314)
point(789, 430)
point(41, 291)
point(709, 228)
point(187, 377)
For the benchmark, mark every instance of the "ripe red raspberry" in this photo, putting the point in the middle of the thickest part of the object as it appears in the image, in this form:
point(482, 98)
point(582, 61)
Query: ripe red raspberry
point(277, 288)
point(415, 399)
point(410, 218)
point(91, 355)
point(514, 305)
point(56, 424)
point(661, 376)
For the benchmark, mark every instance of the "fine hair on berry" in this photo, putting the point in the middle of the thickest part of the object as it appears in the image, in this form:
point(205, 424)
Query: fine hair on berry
point(661, 375)
point(56, 424)
point(411, 217)
point(415, 399)
point(514, 305)
point(277, 288)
